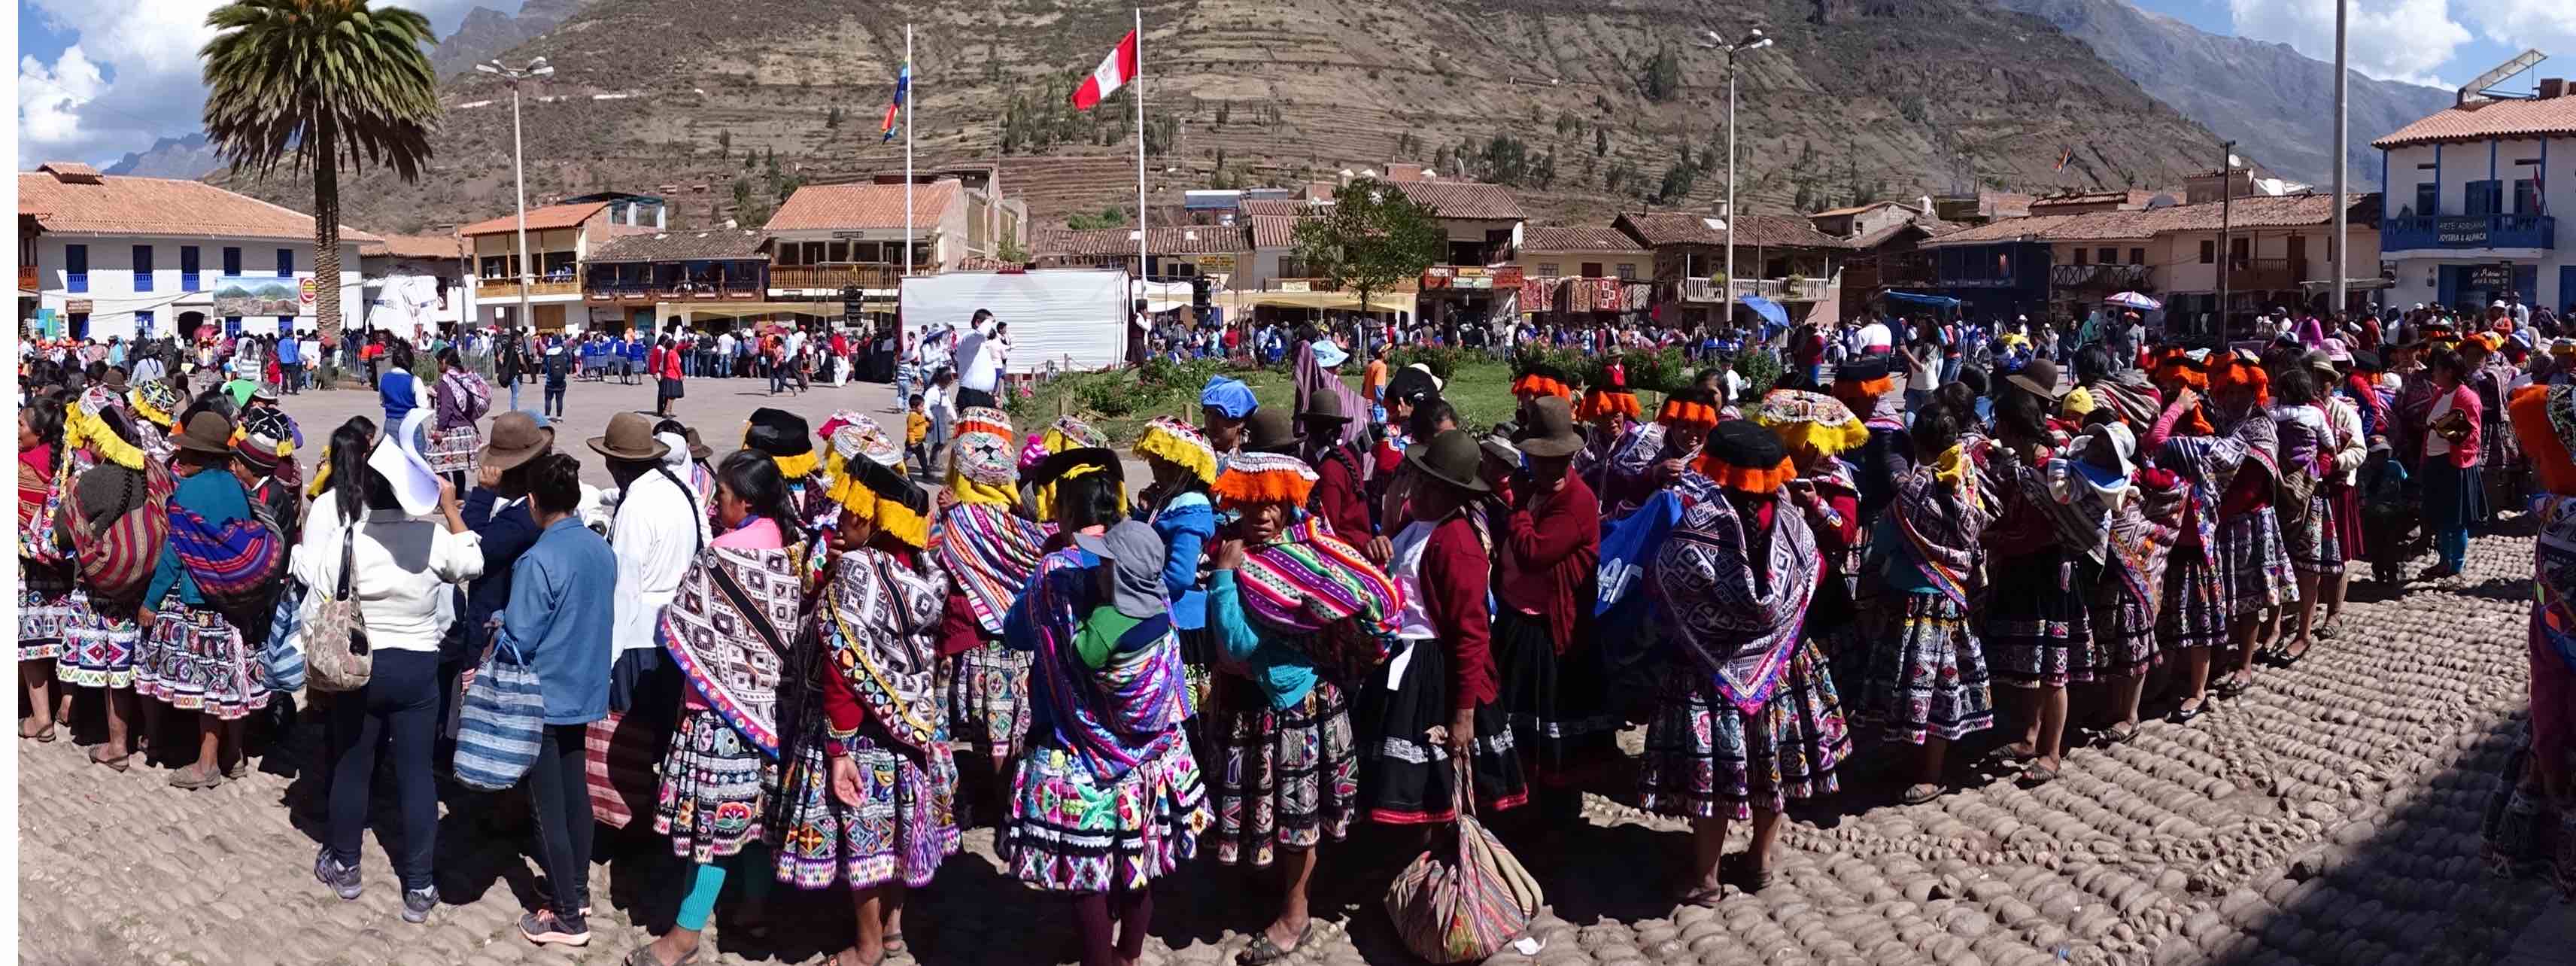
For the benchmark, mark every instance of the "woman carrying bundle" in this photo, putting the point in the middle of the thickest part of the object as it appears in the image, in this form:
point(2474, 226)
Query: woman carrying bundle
point(44, 575)
point(2038, 628)
point(113, 522)
point(1176, 504)
point(1924, 681)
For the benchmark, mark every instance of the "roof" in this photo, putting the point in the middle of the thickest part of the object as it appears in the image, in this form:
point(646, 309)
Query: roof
point(414, 246)
point(2255, 212)
point(1277, 206)
point(1274, 231)
point(1929, 226)
point(118, 205)
point(547, 218)
point(1857, 209)
point(1185, 240)
point(680, 246)
point(847, 206)
point(1658, 229)
point(2537, 117)
point(2132, 197)
point(1578, 238)
point(1463, 199)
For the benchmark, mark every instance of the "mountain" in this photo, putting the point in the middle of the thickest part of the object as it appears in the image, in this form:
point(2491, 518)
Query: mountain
point(2277, 103)
point(1585, 106)
point(186, 158)
point(486, 33)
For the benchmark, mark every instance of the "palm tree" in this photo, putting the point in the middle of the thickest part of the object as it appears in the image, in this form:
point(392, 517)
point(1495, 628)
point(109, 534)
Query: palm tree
point(314, 84)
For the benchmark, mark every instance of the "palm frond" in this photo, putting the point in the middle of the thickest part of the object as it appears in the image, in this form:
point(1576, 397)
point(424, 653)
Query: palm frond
point(295, 82)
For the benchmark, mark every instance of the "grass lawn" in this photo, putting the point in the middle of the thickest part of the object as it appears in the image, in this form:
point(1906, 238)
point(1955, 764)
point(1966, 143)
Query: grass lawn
point(1120, 402)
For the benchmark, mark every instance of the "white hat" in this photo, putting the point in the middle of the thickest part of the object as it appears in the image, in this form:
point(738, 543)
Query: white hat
point(397, 456)
point(2497, 304)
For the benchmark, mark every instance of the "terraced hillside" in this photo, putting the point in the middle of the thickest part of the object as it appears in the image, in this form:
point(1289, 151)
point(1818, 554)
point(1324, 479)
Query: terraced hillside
point(1602, 104)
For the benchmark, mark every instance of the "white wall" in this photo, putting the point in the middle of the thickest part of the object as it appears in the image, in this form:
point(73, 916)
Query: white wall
point(114, 300)
point(2464, 163)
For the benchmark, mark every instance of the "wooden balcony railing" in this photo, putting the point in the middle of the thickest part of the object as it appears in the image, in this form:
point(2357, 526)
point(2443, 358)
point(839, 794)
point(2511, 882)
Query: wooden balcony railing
point(2265, 274)
point(494, 288)
point(834, 276)
point(1776, 289)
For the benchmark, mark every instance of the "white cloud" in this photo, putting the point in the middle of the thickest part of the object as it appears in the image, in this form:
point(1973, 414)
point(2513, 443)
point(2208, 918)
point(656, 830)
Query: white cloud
point(2403, 40)
point(2547, 25)
point(131, 74)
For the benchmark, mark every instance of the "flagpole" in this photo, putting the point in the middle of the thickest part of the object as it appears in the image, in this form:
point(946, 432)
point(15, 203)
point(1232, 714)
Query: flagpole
point(907, 155)
point(1139, 85)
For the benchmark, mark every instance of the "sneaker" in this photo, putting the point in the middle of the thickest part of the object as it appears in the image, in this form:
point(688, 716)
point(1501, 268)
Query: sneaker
point(342, 879)
point(544, 928)
point(418, 902)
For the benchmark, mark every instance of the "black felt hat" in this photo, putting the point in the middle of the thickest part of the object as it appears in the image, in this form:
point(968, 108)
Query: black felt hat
point(883, 481)
point(778, 433)
point(1744, 443)
point(1862, 369)
point(1056, 465)
point(1411, 383)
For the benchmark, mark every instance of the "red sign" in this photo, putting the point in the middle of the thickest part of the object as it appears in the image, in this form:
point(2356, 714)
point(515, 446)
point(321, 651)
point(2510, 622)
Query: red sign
point(305, 292)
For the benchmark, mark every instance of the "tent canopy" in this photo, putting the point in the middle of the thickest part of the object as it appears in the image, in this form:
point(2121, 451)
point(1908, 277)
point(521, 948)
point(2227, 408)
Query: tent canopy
point(1770, 311)
point(1378, 301)
point(1935, 301)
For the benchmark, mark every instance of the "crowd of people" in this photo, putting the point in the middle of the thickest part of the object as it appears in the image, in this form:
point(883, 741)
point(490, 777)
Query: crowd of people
point(809, 664)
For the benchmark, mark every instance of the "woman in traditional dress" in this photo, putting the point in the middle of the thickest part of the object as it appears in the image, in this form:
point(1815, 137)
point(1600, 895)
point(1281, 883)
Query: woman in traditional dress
point(1658, 454)
point(2350, 411)
point(1436, 702)
point(158, 404)
point(789, 442)
point(2308, 450)
point(1865, 387)
point(728, 630)
point(1177, 505)
point(988, 552)
point(1923, 682)
point(44, 574)
point(2531, 823)
point(1108, 797)
point(2454, 478)
point(1300, 613)
point(2229, 564)
point(2255, 558)
point(2038, 628)
point(1554, 678)
point(1748, 718)
point(460, 398)
point(1818, 429)
point(113, 522)
point(193, 658)
point(1611, 413)
point(2144, 521)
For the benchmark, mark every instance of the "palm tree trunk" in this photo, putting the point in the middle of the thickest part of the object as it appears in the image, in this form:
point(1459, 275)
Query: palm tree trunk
point(326, 244)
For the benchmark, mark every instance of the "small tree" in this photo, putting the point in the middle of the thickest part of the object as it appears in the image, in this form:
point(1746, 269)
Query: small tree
point(832, 118)
point(1374, 238)
point(1006, 249)
point(1600, 142)
point(1663, 76)
point(724, 144)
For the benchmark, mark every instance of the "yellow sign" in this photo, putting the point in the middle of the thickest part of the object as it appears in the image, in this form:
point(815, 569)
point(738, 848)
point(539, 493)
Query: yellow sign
point(1216, 263)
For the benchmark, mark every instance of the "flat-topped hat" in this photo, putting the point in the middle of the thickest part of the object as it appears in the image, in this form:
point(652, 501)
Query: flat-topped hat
point(629, 437)
point(1326, 407)
point(1452, 457)
point(516, 438)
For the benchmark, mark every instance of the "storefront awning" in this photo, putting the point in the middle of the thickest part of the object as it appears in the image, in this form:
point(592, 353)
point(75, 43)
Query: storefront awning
point(1380, 301)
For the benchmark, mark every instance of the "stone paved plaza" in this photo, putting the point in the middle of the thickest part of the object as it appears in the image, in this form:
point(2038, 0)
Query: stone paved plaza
point(2329, 816)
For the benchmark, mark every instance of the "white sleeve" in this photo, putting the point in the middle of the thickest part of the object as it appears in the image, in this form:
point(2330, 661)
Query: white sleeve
point(456, 557)
point(310, 563)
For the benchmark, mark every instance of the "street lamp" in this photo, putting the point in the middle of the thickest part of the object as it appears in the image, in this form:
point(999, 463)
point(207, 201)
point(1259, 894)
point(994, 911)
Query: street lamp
point(518, 163)
point(1751, 42)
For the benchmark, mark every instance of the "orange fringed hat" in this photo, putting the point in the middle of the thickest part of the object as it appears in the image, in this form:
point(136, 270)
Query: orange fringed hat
point(1612, 397)
point(2178, 367)
point(2233, 372)
point(1743, 456)
point(1543, 380)
point(1256, 478)
point(1689, 407)
point(1866, 378)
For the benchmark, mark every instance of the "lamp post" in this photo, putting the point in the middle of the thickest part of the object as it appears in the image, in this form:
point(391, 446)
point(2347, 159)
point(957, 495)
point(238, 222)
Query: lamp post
point(2226, 259)
point(1751, 42)
point(2342, 153)
point(518, 164)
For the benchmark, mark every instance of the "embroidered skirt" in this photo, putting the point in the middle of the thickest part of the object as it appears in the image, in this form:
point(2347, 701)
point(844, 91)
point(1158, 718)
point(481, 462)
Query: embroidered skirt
point(2254, 563)
point(710, 798)
point(1290, 776)
point(2194, 612)
point(452, 450)
point(2123, 642)
point(1706, 759)
point(2037, 625)
point(1558, 705)
point(2314, 538)
point(1404, 778)
point(1072, 831)
point(904, 826)
point(194, 660)
point(988, 698)
point(42, 617)
point(98, 649)
point(1929, 679)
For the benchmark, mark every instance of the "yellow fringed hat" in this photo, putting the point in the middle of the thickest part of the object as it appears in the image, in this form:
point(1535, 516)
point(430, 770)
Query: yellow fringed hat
point(785, 438)
point(877, 493)
point(1811, 420)
point(1179, 444)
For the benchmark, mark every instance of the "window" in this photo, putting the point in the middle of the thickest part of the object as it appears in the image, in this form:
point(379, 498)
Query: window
point(2484, 198)
point(1547, 269)
point(2107, 256)
point(188, 268)
point(142, 325)
point(2428, 199)
point(76, 268)
point(837, 252)
point(2238, 254)
point(1291, 266)
point(789, 255)
point(2081, 255)
point(2526, 196)
point(232, 262)
point(143, 268)
point(285, 324)
point(232, 324)
point(1628, 271)
point(286, 263)
point(1592, 269)
point(2208, 252)
point(2137, 256)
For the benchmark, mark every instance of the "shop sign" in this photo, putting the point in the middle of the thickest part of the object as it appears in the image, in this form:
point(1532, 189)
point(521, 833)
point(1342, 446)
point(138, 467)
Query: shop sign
point(76, 306)
point(2491, 277)
point(305, 290)
point(1471, 277)
point(1299, 285)
point(1215, 264)
point(2463, 231)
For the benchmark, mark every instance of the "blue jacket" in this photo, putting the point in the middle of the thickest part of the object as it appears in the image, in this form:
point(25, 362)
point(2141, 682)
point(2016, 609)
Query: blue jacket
point(1284, 673)
point(1185, 524)
point(507, 533)
point(397, 389)
point(559, 619)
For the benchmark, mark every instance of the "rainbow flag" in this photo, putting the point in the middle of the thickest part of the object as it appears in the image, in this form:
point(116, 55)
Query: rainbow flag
point(902, 89)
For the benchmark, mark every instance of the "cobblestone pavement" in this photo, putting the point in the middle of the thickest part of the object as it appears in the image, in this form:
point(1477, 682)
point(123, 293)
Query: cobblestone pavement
point(2329, 816)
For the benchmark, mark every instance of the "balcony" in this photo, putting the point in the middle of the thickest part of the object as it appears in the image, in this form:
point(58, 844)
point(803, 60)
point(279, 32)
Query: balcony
point(2265, 274)
point(835, 276)
point(2456, 232)
point(1775, 289)
point(505, 288)
point(2108, 277)
point(26, 278)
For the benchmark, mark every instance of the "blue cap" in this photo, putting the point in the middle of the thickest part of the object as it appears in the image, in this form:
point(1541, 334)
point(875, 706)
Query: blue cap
point(1229, 396)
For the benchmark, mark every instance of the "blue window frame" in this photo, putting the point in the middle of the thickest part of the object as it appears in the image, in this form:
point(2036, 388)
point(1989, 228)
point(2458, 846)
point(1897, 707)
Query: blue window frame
point(2428, 198)
point(232, 324)
point(286, 325)
point(80, 325)
point(232, 261)
point(76, 268)
point(143, 325)
point(188, 265)
point(143, 268)
point(286, 263)
point(2484, 198)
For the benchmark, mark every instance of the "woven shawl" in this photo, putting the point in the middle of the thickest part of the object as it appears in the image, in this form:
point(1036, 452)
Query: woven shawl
point(2553, 584)
point(881, 623)
point(2143, 532)
point(1941, 520)
point(1314, 589)
point(232, 561)
point(1118, 715)
point(990, 553)
point(733, 647)
point(39, 500)
point(1741, 636)
point(117, 560)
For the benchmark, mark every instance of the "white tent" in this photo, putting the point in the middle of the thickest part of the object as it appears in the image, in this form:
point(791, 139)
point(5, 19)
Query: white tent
point(1072, 319)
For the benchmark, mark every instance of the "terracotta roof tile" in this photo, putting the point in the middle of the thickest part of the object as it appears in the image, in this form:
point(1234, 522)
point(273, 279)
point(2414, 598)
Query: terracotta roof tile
point(1658, 229)
point(853, 206)
point(547, 218)
point(2507, 118)
point(1277, 206)
point(414, 246)
point(1578, 238)
point(680, 246)
point(2257, 212)
point(119, 205)
point(1274, 231)
point(1187, 240)
point(1463, 199)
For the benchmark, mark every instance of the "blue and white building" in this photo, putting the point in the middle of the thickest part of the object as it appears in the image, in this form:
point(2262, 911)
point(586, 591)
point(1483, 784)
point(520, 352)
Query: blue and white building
point(2474, 198)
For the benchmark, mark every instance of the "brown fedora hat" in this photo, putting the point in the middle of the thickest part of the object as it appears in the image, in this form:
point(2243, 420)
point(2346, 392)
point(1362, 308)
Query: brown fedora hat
point(1270, 431)
point(630, 437)
point(1550, 432)
point(1451, 457)
point(516, 438)
point(207, 432)
point(1325, 406)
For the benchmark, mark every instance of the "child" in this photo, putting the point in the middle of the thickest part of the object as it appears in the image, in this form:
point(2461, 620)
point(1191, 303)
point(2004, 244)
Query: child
point(2387, 513)
point(916, 429)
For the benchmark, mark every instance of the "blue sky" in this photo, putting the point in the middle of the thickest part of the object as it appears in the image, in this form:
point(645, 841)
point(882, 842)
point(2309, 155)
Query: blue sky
point(2444, 43)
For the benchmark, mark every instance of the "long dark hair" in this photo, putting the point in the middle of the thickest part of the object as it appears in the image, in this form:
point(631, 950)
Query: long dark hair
point(754, 479)
point(1087, 501)
point(45, 419)
point(348, 465)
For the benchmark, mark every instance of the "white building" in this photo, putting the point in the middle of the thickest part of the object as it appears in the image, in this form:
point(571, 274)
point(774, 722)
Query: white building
point(2470, 199)
point(417, 285)
point(559, 238)
point(139, 257)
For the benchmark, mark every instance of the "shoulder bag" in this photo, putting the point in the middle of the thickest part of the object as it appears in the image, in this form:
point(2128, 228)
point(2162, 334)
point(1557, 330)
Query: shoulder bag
point(1465, 905)
point(337, 657)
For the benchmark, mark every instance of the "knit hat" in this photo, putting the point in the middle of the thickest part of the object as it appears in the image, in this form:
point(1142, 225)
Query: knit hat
point(982, 464)
point(1254, 478)
point(1179, 444)
point(784, 437)
point(265, 438)
point(1740, 455)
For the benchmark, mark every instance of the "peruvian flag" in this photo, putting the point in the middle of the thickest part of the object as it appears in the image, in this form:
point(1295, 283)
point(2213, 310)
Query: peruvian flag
point(1113, 73)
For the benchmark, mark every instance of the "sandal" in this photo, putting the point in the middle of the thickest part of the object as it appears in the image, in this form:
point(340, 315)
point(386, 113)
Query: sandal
point(2017, 751)
point(2039, 775)
point(1263, 952)
point(1704, 898)
point(2121, 733)
point(2190, 710)
point(643, 956)
point(42, 736)
point(119, 763)
point(894, 944)
point(855, 959)
point(193, 778)
point(1919, 793)
point(2231, 686)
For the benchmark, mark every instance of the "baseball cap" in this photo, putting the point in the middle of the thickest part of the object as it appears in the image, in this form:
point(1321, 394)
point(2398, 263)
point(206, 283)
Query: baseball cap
point(1135, 553)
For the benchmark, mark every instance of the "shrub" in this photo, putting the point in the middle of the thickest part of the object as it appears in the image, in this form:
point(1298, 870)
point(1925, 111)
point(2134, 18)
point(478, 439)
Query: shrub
point(1661, 370)
point(1443, 361)
point(1761, 371)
